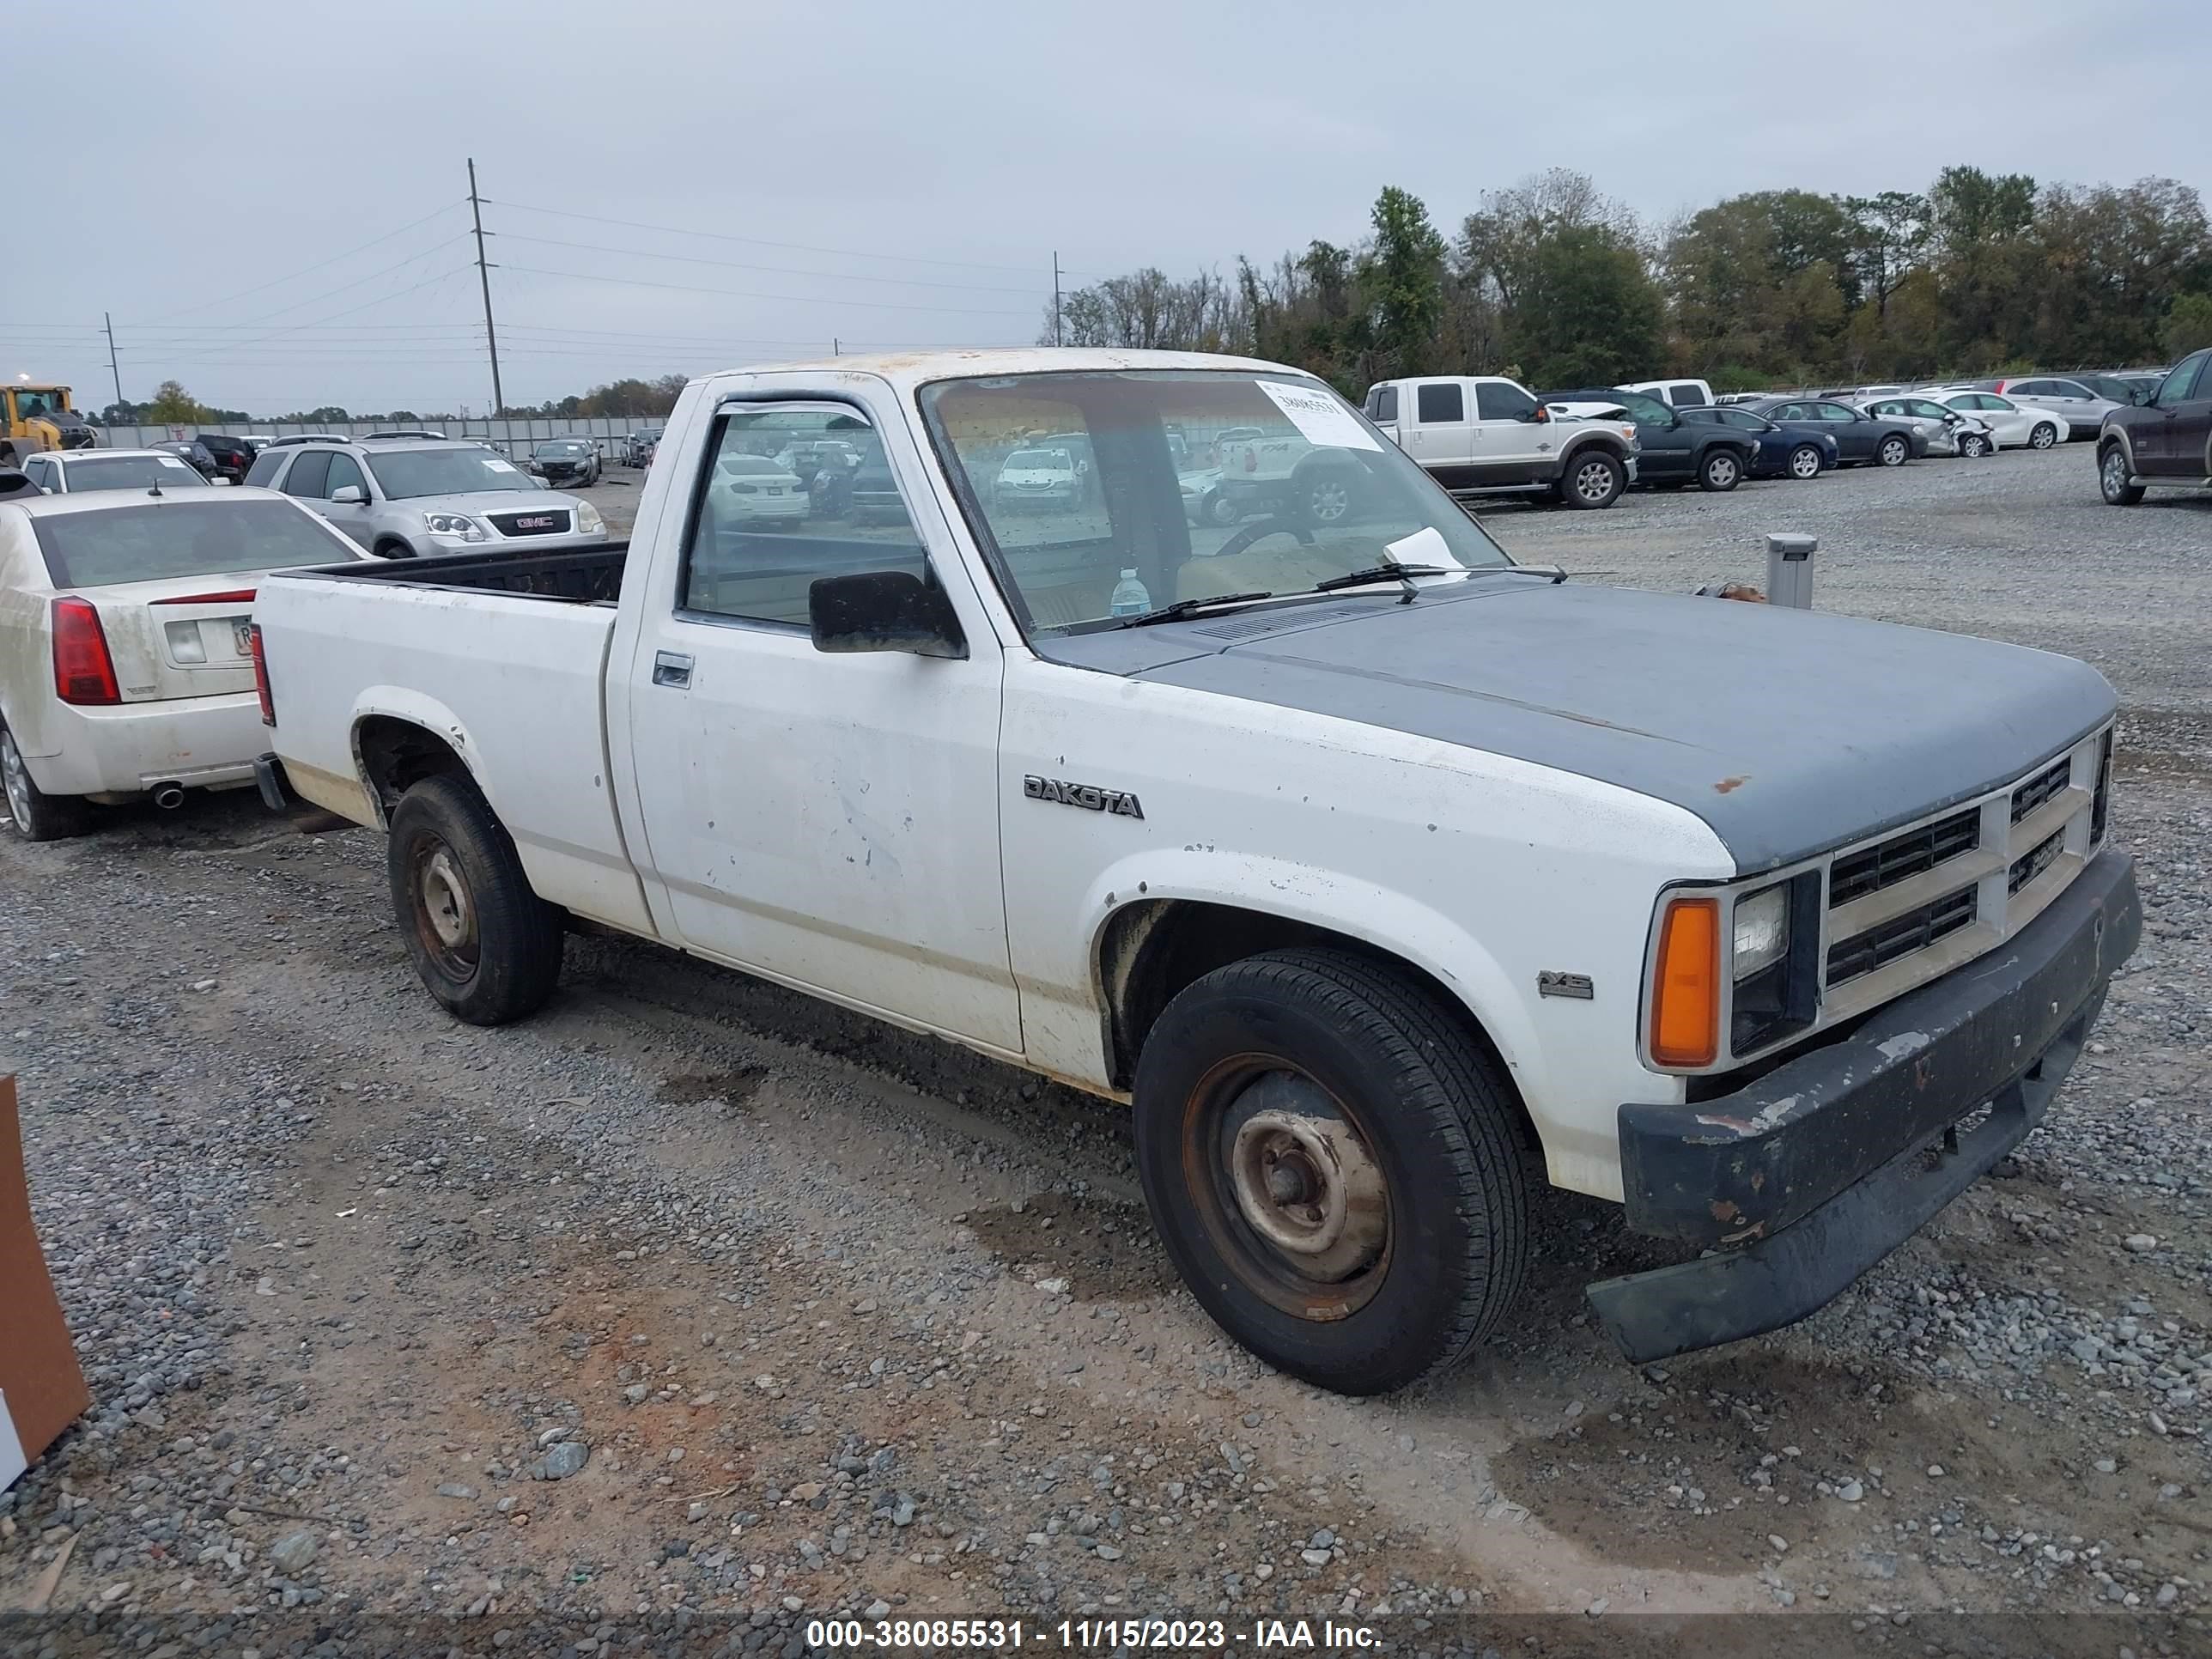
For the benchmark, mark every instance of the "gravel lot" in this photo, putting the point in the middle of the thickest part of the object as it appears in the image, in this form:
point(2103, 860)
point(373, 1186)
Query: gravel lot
point(693, 1309)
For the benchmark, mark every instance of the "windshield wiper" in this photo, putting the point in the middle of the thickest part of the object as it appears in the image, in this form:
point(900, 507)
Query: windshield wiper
point(1189, 607)
point(1391, 572)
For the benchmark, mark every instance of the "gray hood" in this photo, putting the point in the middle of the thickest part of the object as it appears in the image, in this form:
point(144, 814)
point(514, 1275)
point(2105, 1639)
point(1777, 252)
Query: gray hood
point(1788, 732)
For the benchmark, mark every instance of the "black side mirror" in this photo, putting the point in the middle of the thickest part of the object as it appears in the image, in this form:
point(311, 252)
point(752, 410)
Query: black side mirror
point(883, 610)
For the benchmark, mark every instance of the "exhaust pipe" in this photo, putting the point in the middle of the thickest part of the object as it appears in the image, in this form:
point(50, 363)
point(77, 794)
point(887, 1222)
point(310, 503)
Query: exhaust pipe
point(168, 796)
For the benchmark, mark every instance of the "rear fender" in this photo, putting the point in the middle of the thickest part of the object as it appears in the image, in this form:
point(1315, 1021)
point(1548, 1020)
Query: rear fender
point(413, 708)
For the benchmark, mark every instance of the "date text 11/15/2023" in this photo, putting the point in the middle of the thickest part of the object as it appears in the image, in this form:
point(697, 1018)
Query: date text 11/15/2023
point(1104, 1635)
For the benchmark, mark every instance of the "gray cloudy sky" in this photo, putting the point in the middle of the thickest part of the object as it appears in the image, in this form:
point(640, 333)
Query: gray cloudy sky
point(269, 197)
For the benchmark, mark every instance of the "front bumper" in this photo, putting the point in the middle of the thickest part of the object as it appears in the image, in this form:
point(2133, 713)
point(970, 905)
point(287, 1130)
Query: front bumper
point(1804, 1179)
point(203, 743)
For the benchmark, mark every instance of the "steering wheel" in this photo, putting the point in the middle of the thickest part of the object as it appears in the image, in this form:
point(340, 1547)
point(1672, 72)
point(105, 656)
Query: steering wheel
point(1259, 527)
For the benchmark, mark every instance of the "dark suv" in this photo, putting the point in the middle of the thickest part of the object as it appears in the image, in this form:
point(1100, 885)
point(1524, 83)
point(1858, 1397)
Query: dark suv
point(1676, 450)
point(233, 457)
point(2167, 442)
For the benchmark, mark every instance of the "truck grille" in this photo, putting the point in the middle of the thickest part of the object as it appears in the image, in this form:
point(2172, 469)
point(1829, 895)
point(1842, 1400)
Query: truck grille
point(1916, 930)
point(547, 521)
point(2041, 788)
point(1888, 862)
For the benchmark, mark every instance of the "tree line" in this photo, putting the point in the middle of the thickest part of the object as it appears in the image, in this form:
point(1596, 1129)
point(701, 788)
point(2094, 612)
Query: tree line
point(172, 405)
point(1555, 282)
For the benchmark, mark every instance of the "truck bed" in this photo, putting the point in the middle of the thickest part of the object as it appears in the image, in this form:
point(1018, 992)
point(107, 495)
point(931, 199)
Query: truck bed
point(590, 575)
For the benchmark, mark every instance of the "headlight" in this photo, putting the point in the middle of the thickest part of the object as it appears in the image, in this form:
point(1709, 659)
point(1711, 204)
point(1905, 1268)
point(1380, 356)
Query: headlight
point(588, 520)
point(1761, 932)
point(455, 524)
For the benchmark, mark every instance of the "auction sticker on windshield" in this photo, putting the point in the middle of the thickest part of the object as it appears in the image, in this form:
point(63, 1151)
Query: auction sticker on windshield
point(1320, 418)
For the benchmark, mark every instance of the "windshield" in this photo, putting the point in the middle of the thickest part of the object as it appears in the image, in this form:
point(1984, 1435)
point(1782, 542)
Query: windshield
point(567, 448)
point(469, 471)
point(133, 473)
point(1037, 460)
point(154, 542)
point(1310, 491)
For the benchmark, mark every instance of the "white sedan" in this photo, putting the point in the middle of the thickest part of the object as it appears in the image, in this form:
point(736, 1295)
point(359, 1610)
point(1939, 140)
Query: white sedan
point(2012, 426)
point(65, 472)
point(126, 665)
point(755, 489)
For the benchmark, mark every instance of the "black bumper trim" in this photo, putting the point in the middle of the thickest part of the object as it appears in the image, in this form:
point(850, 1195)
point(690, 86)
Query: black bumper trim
point(276, 795)
point(1820, 1168)
point(269, 777)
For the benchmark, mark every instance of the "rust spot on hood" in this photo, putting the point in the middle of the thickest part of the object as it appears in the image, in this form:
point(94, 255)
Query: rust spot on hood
point(1725, 1209)
point(1727, 784)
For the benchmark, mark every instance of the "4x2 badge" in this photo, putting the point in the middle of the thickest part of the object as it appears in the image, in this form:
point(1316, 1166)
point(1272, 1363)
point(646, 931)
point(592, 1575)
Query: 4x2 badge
point(1089, 796)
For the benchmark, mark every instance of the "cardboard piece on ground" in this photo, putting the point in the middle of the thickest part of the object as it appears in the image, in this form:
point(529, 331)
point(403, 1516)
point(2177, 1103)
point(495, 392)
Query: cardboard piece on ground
point(42, 1390)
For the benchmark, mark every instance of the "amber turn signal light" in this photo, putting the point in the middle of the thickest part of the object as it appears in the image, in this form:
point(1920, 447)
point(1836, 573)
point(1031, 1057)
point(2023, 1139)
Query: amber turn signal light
point(1686, 984)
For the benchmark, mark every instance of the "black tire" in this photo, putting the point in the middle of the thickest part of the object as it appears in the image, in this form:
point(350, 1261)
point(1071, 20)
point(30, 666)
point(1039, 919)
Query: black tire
point(1244, 1067)
point(2113, 478)
point(1720, 471)
point(1804, 462)
point(1592, 479)
point(486, 947)
point(1325, 496)
point(2043, 436)
point(389, 549)
point(1893, 451)
point(1973, 446)
point(36, 815)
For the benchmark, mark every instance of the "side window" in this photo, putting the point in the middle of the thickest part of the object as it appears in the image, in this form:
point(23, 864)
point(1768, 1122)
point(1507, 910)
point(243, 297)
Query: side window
point(795, 492)
point(344, 470)
point(1386, 405)
point(37, 471)
point(1440, 403)
point(1496, 401)
point(2181, 384)
point(1832, 412)
point(266, 466)
point(306, 479)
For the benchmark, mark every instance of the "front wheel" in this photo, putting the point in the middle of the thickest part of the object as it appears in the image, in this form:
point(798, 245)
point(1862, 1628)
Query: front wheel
point(1595, 480)
point(2044, 436)
point(1973, 446)
point(1894, 451)
point(1333, 1164)
point(484, 944)
point(1219, 509)
point(1720, 471)
point(2112, 478)
point(37, 815)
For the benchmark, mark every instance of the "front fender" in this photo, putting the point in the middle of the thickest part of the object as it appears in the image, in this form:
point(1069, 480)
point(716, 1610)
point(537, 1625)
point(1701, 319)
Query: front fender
point(414, 708)
point(1393, 923)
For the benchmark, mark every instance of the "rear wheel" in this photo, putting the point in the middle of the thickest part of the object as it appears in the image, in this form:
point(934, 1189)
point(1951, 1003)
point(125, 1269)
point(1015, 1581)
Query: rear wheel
point(1333, 1164)
point(1893, 452)
point(1805, 462)
point(2113, 478)
point(1593, 480)
point(1720, 471)
point(2044, 436)
point(37, 815)
point(485, 945)
point(1325, 497)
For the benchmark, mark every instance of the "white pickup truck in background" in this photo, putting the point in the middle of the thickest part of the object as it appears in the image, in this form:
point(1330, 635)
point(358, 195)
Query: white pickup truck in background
point(1386, 879)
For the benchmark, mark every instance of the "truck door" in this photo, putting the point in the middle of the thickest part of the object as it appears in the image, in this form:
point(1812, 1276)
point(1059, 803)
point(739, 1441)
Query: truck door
point(828, 821)
point(2170, 440)
point(1511, 446)
point(1439, 432)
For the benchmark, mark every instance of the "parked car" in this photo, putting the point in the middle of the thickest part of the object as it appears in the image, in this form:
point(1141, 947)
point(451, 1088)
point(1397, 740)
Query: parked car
point(1426, 881)
point(1483, 435)
point(1035, 478)
point(125, 671)
point(1947, 431)
point(74, 471)
point(572, 461)
point(255, 441)
point(1670, 451)
point(1860, 439)
point(193, 453)
point(2012, 426)
point(2165, 444)
point(1784, 452)
point(232, 455)
point(1202, 500)
point(753, 488)
point(408, 499)
point(638, 447)
point(309, 438)
point(1676, 394)
point(2081, 406)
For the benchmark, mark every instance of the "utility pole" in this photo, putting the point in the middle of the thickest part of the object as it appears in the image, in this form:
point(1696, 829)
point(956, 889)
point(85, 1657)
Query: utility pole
point(108, 322)
point(1055, 296)
point(837, 347)
point(483, 276)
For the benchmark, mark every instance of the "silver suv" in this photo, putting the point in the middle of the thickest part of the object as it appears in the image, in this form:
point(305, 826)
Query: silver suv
point(404, 498)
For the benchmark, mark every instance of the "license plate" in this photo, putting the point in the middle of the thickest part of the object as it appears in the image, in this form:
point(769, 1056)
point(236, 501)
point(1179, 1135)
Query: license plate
point(535, 521)
point(241, 634)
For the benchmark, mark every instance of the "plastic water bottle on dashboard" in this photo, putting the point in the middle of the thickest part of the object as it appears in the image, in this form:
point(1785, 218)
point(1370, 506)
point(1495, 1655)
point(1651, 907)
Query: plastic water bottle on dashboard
point(1129, 599)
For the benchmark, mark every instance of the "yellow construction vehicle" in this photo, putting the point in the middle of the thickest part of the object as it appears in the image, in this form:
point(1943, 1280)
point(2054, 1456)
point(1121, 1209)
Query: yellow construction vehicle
point(38, 416)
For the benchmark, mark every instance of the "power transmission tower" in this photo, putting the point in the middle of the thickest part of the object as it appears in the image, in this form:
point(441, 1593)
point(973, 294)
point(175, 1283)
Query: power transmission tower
point(483, 276)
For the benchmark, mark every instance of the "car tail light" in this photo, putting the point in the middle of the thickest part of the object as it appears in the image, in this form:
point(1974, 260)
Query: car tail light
point(84, 673)
point(232, 596)
point(1686, 984)
point(261, 676)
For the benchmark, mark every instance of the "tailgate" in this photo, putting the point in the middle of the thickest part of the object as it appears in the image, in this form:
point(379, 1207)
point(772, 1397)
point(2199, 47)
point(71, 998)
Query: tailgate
point(182, 637)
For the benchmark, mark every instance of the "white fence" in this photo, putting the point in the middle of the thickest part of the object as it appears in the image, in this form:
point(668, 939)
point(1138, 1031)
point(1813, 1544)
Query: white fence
point(514, 436)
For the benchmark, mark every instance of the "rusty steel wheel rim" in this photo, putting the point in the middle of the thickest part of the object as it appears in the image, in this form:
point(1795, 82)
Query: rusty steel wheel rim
point(1285, 1181)
point(445, 910)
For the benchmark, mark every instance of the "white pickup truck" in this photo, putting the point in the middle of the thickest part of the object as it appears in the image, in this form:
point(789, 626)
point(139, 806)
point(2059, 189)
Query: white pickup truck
point(1386, 879)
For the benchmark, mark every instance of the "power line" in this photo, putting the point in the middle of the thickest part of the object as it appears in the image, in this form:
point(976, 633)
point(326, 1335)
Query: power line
point(742, 293)
point(783, 270)
point(209, 305)
point(758, 241)
point(385, 299)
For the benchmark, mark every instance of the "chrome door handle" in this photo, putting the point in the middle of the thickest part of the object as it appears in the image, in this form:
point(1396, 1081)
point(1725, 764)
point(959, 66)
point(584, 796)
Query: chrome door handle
point(671, 668)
